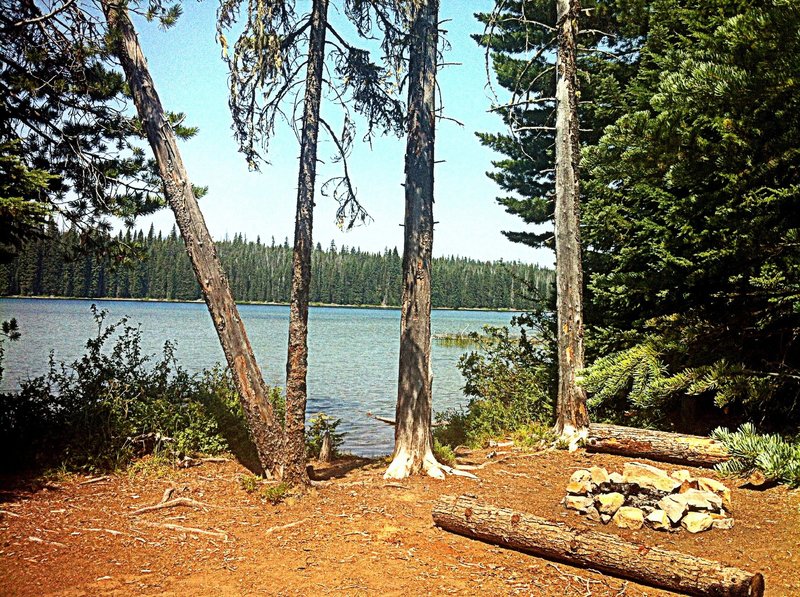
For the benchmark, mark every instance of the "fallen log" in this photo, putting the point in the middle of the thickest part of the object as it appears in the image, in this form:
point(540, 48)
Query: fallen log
point(689, 450)
point(598, 551)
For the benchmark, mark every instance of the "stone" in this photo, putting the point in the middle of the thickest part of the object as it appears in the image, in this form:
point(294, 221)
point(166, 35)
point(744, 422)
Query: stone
point(723, 523)
point(579, 503)
point(648, 476)
point(593, 514)
point(599, 475)
point(687, 485)
point(700, 500)
point(706, 484)
point(581, 487)
point(629, 518)
point(609, 503)
point(681, 475)
point(658, 520)
point(673, 508)
point(697, 522)
point(616, 478)
point(581, 474)
point(605, 518)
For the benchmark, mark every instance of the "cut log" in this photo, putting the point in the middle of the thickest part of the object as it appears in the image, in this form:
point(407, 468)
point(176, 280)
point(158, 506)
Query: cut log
point(690, 450)
point(326, 451)
point(592, 550)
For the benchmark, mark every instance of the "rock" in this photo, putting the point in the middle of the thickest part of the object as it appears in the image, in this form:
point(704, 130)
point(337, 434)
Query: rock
point(616, 478)
point(687, 485)
point(674, 508)
point(681, 475)
point(697, 522)
point(723, 523)
point(658, 520)
point(581, 474)
point(629, 518)
point(599, 475)
point(605, 518)
point(593, 514)
point(609, 503)
point(579, 503)
point(706, 484)
point(700, 500)
point(645, 475)
point(581, 487)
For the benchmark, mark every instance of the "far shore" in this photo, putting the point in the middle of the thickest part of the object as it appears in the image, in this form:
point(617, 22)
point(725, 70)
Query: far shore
point(200, 301)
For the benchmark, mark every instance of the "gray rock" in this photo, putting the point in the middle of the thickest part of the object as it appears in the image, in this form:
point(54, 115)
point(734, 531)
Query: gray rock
point(714, 486)
point(616, 478)
point(658, 520)
point(700, 500)
point(723, 523)
point(674, 508)
point(579, 503)
point(648, 476)
point(599, 475)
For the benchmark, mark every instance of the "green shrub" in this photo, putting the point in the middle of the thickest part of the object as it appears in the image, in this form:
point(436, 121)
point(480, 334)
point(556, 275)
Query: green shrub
point(109, 406)
point(444, 453)
point(509, 384)
point(776, 458)
point(318, 426)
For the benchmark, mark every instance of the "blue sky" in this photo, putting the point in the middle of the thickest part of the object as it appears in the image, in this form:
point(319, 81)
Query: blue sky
point(191, 77)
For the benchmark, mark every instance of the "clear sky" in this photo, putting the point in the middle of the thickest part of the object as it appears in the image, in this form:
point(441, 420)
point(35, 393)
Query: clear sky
point(191, 77)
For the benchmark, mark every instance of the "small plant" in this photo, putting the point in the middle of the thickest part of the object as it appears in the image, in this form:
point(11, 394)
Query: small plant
point(318, 426)
point(534, 435)
point(776, 458)
point(250, 483)
point(444, 453)
point(275, 494)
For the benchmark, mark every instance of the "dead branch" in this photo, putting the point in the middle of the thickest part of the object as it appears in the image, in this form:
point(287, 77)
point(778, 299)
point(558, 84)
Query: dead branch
point(282, 527)
point(182, 529)
point(171, 504)
point(95, 480)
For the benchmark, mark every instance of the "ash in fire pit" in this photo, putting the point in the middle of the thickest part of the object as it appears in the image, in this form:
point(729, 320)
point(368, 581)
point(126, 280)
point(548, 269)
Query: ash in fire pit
point(644, 494)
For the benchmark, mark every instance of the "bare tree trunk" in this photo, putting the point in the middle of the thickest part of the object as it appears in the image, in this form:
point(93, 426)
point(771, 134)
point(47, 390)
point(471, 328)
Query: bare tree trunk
point(297, 358)
point(572, 418)
point(263, 425)
point(413, 451)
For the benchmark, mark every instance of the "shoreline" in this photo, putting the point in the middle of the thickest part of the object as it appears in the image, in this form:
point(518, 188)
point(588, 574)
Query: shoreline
point(257, 303)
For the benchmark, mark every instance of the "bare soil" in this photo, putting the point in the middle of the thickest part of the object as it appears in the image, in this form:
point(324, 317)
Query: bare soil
point(355, 535)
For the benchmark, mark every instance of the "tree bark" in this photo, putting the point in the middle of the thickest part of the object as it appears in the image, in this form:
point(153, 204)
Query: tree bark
point(689, 450)
point(297, 358)
point(264, 429)
point(599, 551)
point(572, 417)
point(413, 451)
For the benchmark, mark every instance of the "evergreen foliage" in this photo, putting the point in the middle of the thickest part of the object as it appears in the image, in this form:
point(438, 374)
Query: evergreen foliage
point(776, 458)
point(691, 223)
point(261, 273)
point(317, 427)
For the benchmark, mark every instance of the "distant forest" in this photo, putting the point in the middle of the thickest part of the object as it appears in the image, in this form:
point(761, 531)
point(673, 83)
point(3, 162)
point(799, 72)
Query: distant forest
point(260, 272)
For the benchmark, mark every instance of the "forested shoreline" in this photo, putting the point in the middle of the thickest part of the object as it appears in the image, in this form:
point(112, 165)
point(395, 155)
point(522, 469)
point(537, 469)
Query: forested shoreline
point(261, 273)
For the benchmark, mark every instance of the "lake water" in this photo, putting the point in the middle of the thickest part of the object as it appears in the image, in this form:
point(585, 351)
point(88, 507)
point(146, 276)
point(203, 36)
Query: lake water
point(353, 353)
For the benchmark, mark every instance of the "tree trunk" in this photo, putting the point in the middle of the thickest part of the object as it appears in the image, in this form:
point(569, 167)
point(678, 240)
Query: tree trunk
point(413, 448)
point(689, 450)
point(598, 551)
point(264, 429)
point(297, 358)
point(572, 418)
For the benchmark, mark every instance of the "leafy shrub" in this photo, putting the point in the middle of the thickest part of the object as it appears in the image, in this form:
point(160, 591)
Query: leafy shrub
point(509, 384)
point(318, 426)
point(776, 458)
point(107, 407)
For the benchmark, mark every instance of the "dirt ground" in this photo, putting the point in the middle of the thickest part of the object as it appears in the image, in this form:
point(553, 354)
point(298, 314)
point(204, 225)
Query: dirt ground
point(355, 535)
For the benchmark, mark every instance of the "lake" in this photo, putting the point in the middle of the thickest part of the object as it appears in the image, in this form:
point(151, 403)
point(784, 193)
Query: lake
point(353, 353)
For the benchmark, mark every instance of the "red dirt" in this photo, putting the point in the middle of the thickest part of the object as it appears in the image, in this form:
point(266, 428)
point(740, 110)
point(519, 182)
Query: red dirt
point(357, 535)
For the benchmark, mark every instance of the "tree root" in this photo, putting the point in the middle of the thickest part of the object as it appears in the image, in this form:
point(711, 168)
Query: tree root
point(282, 527)
point(182, 501)
point(177, 527)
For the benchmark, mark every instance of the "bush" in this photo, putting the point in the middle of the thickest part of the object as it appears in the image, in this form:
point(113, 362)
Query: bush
point(106, 408)
point(319, 425)
point(776, 458)
point(509, 384)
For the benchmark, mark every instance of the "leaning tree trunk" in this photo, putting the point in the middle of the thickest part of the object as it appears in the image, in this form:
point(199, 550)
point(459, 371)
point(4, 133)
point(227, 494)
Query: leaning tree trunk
point(297, 358)
point(413, 448)
point(571, 417)
point(266, 432)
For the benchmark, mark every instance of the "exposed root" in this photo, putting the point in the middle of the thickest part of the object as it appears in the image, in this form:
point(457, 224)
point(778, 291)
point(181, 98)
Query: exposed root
point(171, 504)
point(402, 466)
point(282, 527)
point(95, 480)
point(177, 527)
